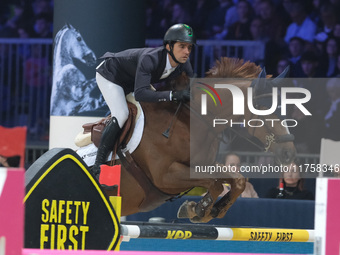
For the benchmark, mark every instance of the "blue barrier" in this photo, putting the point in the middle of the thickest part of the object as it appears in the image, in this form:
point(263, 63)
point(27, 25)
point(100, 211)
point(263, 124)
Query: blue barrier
point(246, 212)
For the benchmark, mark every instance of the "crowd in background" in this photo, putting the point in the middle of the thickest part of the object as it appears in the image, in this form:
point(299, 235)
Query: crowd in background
point(26, 18)
point(302, 34)
point(289, 28)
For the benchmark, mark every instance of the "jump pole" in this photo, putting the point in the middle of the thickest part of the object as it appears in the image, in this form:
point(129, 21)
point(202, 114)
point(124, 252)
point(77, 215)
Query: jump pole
point(206, 232)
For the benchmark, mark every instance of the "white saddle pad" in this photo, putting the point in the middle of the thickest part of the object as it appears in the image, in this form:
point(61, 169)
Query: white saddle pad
point(88, 152)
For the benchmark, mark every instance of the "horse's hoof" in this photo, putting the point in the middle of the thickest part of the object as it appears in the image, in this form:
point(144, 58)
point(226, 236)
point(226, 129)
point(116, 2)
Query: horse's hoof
point(183, 211)
point(196, 219)
point(214, 212)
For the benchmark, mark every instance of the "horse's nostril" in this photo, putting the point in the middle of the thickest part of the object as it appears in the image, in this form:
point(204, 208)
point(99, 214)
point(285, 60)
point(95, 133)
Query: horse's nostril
point(89, 59)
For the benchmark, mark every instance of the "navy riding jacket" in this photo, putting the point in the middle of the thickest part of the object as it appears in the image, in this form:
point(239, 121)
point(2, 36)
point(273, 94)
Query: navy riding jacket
point(135, 69)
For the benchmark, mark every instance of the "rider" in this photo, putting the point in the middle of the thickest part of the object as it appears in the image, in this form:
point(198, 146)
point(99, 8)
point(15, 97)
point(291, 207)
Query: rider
point(134, 70)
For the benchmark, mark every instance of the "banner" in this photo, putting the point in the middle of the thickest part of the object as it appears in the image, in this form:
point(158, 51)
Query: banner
point(83, 31)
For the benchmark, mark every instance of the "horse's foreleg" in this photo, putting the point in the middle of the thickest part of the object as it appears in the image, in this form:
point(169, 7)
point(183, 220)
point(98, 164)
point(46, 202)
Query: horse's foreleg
point(238, 184)
point(179, 176)
point(205, 205)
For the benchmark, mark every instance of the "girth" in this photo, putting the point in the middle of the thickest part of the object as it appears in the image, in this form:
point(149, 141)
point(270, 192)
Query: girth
point(154, 197)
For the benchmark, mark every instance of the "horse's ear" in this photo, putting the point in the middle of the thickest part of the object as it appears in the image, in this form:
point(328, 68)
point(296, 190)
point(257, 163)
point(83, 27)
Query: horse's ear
point(263, 73)
point(68, 25)
point(279, 79)
point(260, 82)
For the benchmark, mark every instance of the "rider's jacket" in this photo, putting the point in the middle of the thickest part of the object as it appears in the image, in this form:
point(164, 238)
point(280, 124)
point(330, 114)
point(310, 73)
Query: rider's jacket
point(135, 69)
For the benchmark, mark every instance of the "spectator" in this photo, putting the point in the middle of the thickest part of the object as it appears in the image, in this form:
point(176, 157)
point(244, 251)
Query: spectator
point(201, 10)
point(327, 22)
point(293, 185)
point(180, 15)
point(42, 26)
point(257, 7)
point(315, 11)
point(281, 65)
point(234, 162)
point(43, 7)
point(18, 18)
point(329, 59)
point(240, 30)
point(332, 118)
point(302, 26)
point(257, 34)
point(257, 30)
point(296, 48)
point(309, 64)
point(164, 13)
point(215, 23)
point(230, 18)
point(274, 27)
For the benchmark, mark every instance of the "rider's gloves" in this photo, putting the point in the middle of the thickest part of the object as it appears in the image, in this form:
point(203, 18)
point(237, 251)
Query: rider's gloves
point(181, 95)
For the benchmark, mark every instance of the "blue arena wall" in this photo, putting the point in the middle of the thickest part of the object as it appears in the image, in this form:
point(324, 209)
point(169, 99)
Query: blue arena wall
point(246, 212)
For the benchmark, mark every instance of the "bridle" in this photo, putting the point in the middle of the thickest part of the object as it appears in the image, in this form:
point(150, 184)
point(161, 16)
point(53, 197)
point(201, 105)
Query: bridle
point(270, 138)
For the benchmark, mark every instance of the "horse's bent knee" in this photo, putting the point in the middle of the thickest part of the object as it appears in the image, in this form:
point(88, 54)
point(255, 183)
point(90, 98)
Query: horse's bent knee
point(240, 183)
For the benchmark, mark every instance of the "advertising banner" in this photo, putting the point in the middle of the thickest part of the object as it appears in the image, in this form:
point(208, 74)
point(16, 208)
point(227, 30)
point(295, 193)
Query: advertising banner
point(83, 32)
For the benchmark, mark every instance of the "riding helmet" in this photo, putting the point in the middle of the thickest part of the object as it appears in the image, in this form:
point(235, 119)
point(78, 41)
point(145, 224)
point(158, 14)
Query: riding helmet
point(179, 33)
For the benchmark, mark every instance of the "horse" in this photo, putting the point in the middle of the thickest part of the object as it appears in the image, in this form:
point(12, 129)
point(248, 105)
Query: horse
point(167, 159)
point(72, 93)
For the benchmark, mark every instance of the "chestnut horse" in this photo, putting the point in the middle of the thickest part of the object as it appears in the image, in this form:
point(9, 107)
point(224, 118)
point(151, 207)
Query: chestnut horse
point(166, 161)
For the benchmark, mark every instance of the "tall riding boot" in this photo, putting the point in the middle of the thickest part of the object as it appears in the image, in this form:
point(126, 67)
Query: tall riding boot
point(107, 143)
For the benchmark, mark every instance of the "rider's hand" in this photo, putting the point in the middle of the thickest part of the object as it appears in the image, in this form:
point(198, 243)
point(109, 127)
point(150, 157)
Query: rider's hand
point(181, 95)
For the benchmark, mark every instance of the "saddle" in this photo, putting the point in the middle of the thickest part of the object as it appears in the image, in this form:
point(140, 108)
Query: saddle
point(153, 196)
point(96, 128)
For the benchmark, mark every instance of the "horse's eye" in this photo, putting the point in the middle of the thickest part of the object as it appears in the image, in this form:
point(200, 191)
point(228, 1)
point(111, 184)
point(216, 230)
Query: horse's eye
point(79, 38)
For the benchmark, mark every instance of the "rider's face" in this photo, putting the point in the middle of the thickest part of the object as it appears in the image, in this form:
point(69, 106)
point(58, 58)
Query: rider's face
point(182, 51)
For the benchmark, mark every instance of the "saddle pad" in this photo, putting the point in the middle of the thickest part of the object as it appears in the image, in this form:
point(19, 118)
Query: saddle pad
point(88, 152)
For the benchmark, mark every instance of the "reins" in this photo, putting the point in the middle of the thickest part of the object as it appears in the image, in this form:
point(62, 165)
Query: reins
point(166, 132)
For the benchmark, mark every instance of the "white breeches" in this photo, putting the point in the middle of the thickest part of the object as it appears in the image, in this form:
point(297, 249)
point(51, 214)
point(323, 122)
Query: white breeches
point(115, 99)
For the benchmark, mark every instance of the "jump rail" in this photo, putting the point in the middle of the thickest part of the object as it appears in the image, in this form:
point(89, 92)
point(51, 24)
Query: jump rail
point(209, 232)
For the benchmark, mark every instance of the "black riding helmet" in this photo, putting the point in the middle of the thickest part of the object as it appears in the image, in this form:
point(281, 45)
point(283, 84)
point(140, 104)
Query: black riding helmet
point(178, 33)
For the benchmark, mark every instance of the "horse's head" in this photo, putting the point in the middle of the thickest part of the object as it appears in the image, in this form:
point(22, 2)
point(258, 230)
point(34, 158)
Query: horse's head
point(271, 129)
point(252, 102)
point(77, 47)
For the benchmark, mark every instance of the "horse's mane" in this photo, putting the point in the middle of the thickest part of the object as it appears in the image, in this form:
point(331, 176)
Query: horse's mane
point(224, 68)
point(60, 33)
point(233, 68)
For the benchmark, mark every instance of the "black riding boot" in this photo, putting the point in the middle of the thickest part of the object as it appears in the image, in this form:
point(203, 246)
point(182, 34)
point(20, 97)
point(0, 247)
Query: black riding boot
point(107, 142)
